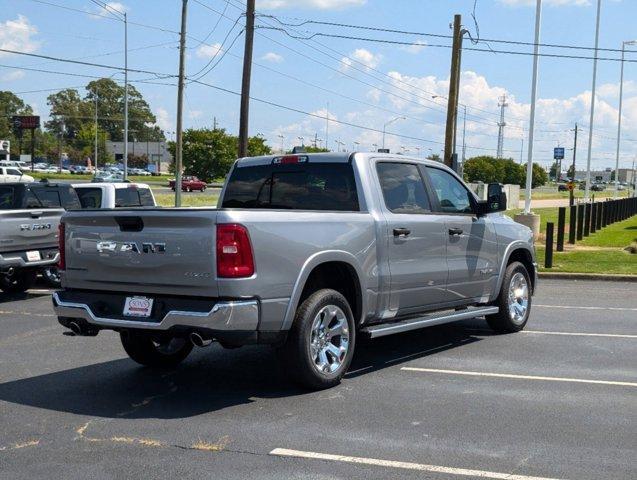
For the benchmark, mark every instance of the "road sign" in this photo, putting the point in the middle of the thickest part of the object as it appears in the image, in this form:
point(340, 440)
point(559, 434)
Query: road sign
point(571, 186)
point(558, 153)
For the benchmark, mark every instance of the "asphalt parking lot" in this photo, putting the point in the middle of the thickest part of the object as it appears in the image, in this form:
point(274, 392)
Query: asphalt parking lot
point(556, 401)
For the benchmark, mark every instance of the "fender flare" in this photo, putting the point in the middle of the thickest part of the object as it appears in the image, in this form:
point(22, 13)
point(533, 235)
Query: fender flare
point(309, 265)
point(516, 245)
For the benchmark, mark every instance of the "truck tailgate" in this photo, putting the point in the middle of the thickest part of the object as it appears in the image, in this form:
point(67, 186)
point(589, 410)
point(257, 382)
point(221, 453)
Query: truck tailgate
point(28, 229)
point(163, 251)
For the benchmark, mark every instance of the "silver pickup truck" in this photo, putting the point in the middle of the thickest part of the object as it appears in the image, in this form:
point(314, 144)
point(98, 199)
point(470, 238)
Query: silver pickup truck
point(305, 252)
point(29, 217)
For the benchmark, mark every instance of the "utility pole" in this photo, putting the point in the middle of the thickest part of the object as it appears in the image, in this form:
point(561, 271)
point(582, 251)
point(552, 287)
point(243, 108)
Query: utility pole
point(327, 127)
point(454, 85)
point(502, 103)
point(96, 130)
point(592, 117)
point(571, 196)
point(214, 123)
point(180, 103)
point(245, 84)
point(125, 96)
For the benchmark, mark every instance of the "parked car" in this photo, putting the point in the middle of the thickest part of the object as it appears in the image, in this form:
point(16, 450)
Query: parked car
point(189, 183)
point(114, 195)
point(13, 174)
point(29, 218)
point(562, 187)
point(307, 253)
point(598, 187)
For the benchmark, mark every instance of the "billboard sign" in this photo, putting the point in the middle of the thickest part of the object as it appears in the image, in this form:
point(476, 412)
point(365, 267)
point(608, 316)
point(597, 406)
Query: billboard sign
point(558, 153)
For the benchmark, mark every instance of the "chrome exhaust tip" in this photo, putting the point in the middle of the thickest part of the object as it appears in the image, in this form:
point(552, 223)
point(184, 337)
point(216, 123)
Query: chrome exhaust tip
point(198, 341)
point(75, 328)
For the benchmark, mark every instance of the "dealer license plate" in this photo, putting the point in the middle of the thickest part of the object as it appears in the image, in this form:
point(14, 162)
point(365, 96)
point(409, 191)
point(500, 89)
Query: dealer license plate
point(138, 307)
point(33, 256)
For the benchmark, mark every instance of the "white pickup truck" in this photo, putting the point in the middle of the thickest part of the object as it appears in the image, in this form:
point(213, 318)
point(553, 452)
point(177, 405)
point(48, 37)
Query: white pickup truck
point(114, 195)
point(13, 174)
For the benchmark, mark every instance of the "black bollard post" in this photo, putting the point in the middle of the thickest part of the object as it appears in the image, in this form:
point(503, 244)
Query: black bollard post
point(561, 219)
point(572, 224)
point(548, 257)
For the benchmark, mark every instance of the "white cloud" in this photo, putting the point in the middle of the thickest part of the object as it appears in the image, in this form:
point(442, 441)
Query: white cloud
point(209, 51)
point(163, 119)
point(309, 4)
point(112, 9)
point(373, 94)
point(551, 3)
point(12, 76)
point(361, 56)
point(18, 35)
point(272, 57)
point(194, 114)
point(417, 47)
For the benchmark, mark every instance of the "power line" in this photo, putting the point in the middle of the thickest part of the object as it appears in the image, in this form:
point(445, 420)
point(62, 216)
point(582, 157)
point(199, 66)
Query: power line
point(434, 35)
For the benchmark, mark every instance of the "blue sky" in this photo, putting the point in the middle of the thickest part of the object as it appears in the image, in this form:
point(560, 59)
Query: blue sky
point(381, 81)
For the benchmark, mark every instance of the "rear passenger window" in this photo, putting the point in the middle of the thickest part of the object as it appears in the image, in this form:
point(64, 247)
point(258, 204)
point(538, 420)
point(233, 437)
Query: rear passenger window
point(403, 188)
point(90, 197)
point(303, 186)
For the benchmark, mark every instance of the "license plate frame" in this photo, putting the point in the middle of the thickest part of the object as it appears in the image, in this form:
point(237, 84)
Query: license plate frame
point(138, 307)
point(33, 256)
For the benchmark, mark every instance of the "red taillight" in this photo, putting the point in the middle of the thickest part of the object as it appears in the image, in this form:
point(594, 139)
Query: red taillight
point(234, 252)
point(62, 245)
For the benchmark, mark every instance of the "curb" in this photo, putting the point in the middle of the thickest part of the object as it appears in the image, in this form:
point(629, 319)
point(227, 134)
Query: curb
point(587, 276)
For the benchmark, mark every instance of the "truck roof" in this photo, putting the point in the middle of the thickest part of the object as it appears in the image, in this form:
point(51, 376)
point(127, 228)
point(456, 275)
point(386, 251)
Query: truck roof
point(333, 157)
point(114, 184)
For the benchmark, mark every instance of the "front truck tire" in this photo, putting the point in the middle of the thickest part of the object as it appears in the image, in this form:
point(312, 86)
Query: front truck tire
point(320, 344)
point(161, 352)
point(514, 300)
point(19, 282)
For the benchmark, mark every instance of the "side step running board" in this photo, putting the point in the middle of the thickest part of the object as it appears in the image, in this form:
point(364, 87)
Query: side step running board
point(429, 320)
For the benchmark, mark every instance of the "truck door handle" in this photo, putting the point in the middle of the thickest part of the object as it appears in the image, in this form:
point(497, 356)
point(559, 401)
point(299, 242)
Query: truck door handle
point(455, 231)
point(401, 232)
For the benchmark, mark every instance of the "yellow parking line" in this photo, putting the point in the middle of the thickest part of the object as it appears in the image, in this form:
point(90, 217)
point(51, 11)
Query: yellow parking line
point(284, 452)
point(520, 377)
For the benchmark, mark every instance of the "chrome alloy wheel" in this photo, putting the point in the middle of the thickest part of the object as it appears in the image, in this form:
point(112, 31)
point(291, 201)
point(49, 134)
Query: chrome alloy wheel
point(330, 339)
point(518, 298)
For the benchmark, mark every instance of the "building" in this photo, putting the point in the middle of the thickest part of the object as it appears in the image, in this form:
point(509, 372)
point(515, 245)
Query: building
point(157, 153)
point(626, 175)
point(596, 175)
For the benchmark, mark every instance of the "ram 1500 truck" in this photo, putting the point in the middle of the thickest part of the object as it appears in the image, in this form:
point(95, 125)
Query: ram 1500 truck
point(29, 218)
point(305, 252)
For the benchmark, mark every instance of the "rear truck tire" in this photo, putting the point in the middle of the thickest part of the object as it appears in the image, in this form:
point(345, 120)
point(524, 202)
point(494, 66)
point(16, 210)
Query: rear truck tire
point(188, 189)
point(203, 189)
point(51, 276)
point(19, 282)
point(320, 344)
point(514, 300)
point(150, 351)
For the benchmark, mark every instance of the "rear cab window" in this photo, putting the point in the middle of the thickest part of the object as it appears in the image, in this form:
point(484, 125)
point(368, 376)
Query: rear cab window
point(294, 186)
point(133, 196)
point(90, 197)
point(8, 198)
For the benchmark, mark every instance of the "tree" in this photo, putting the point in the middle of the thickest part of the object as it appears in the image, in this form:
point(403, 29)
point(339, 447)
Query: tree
point(209, 154)
point(539, 176)
point(489, 169)
point(553, 173)
point(11, 104)
point(435, 157)
point(311, 149)
point(569, 172)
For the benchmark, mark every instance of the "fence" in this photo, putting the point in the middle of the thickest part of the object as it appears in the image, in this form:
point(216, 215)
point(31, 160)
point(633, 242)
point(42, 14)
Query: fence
point(584, 219)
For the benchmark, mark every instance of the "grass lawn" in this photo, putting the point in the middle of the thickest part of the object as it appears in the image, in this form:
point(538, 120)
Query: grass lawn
point(546, 215)
point(590, 261)
point(192, 199)
point(620, 234)
point(85, 178)
point(552, 195)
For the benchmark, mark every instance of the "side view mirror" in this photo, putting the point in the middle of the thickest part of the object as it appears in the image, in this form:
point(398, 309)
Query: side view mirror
point(496, 198)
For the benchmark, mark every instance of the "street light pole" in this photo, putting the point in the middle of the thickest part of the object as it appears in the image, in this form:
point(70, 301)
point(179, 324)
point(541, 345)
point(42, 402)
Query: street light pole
point(96, 130)
point(464, 133)
point(619, 116)
point(536, 59)
point(592, 117)
point(281, 136)
point(388, 123)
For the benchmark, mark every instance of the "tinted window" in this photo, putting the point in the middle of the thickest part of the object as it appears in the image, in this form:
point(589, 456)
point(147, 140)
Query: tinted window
point(403, 188)
point(133, 197)
point(51, 197)
point(452, 195)
point(90, 197)
point(303, 186)
point(7, 197)
point(13, 171)
point(48, 198)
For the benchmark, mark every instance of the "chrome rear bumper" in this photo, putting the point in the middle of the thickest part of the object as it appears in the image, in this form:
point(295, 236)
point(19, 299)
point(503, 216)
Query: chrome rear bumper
point(225, 316)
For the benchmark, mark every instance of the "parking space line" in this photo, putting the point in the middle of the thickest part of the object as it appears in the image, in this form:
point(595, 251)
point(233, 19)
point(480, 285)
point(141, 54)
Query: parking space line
point(573, 307)
point(520, 377)
point(581, 334)
point(284, 452)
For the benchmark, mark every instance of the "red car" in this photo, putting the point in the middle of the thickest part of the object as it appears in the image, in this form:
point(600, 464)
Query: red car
point(189, 183)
